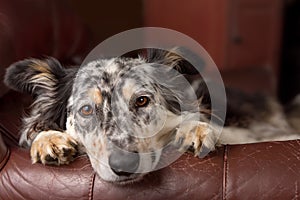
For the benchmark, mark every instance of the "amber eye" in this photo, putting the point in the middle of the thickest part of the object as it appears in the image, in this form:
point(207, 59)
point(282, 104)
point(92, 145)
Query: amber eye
point(86, 110)
point(142, 101)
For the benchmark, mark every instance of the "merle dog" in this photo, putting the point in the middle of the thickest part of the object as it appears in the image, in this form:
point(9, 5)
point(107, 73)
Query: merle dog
point(123, 111)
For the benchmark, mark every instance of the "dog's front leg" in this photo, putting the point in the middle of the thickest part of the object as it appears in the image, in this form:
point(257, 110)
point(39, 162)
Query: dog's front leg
point(53, 147)
point(199, 137)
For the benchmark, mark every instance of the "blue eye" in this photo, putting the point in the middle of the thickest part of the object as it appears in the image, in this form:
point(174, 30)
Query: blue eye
point(86, 110)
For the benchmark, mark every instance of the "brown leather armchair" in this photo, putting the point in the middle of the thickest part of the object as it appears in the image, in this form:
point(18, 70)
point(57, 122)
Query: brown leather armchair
point(34, 28)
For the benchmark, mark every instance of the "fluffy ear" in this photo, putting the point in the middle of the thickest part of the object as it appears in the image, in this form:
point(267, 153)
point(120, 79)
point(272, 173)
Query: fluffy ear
point(51, 85)
point(34, 76)
point(177, 59)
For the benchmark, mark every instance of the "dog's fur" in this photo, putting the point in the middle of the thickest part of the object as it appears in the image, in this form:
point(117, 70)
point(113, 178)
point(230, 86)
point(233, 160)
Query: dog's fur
point(123, 111)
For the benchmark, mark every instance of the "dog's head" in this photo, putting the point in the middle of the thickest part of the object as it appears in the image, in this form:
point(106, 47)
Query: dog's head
point(124, 111)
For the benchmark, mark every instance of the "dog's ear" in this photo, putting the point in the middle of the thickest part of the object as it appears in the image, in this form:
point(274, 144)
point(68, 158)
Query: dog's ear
point(177, 59)
point(51, 86)
point(34, 76)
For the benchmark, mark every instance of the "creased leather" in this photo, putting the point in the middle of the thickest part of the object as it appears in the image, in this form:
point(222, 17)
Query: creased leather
point(4, 153)
point(263, 171)
point(252, 171)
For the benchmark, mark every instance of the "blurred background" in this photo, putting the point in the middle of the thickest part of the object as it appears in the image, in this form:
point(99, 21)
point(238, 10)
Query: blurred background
point(255, 43)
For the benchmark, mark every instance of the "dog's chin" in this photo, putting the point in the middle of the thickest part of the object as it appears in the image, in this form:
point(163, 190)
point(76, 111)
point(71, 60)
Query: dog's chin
point(128, 180)
point(122, 180)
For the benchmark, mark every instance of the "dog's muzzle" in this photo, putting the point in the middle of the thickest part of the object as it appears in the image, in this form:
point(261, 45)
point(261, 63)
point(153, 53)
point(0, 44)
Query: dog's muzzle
point(124, 163)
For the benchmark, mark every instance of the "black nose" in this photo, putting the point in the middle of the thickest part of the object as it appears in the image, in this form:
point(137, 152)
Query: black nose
point(124, 163)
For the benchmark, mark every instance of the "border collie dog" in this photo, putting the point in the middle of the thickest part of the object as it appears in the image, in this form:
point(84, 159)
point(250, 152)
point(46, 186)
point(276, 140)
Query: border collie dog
point(123, 111)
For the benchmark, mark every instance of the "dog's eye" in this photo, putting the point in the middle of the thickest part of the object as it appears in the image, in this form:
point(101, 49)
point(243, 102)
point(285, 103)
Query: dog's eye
point(142, 101)
point(86, 110)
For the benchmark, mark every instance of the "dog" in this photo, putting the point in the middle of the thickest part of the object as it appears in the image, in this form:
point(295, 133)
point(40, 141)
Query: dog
point(123, 111)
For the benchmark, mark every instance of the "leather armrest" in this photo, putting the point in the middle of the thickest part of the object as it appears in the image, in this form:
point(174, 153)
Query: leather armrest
point(39, 28)
point(252, 171)
point(4, 153)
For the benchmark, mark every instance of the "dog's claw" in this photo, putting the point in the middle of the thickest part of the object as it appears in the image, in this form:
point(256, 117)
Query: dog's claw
point(179, 142)
point(204, 150)
point(53, 147)
point(196, 137)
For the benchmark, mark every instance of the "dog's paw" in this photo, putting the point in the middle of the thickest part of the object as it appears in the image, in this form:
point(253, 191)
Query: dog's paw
point(53, 147)
point(195, 136)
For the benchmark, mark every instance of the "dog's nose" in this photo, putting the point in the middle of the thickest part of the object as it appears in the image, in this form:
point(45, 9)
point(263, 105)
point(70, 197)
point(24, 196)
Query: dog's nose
point(124, 163)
